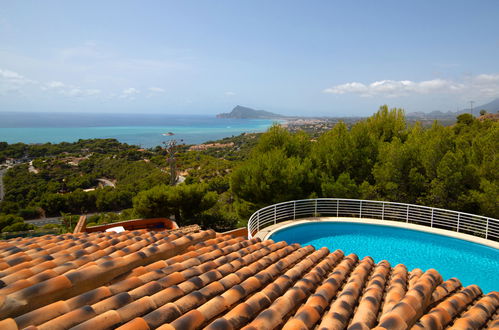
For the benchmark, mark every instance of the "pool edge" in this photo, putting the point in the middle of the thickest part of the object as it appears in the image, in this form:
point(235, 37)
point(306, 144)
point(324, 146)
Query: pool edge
point(266, 232)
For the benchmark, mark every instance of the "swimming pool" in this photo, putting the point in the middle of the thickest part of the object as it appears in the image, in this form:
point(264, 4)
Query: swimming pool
point(470, 262)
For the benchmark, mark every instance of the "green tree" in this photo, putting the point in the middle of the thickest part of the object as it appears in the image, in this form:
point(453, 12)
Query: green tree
point(399, 174)
point(272, 177)
point(80, 201)
point(333, 153)
point(18, 226)
point(29, 213)
point(110, 199)
point(184, 201)
point(153, 203)
point(278, 138)
point(486, 199)
point(6, 221)
point(446, 188)
point(343, 187)
point(54, 204)
point(387, 124)
point(192, 199)
point(465, 119)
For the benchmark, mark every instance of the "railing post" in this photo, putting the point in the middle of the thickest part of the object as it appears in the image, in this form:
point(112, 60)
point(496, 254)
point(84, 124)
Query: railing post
point(458, 218)
point(294, 210)
point(383, 211)
point(407, 215)
point(431, 223)
point(337, 208)
point(487, 229)
point(258, 221)
point(275, 214)
point(315, 209)
point(360, 210)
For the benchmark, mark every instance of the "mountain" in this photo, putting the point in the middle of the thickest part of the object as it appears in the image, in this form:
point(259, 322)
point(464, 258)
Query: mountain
point(491, 107)
point(241, 112)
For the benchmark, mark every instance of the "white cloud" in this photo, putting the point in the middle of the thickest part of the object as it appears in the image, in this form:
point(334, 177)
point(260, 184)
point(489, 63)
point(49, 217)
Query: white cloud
point(69, 90)
point(11, 77)
point(130, 91)
point(230, 93)
point(11, 81)
point(90, 65)
point(353, 87)
point(487, 78)
point(55, 84)
point(156, 89)
point(91, 92)
point(74, 92)
point(396, 88)
point(7, 74)
point(80, 92)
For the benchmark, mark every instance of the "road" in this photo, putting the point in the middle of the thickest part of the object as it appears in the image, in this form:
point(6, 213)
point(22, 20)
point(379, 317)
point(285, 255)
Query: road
point(44, 221)
point(106, 183)
point(57, 220)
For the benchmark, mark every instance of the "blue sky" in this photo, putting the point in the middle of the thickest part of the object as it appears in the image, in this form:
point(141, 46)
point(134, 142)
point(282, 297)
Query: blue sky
point(204, 57)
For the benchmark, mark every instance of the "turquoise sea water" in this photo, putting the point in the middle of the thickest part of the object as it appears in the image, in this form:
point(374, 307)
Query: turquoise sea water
point(144, 130)
point(471, 263)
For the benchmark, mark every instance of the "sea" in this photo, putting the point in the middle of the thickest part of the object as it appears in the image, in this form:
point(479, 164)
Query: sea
point(144, 130)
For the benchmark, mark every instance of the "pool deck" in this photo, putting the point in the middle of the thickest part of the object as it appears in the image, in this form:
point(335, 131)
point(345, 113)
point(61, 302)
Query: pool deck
point(267, 231)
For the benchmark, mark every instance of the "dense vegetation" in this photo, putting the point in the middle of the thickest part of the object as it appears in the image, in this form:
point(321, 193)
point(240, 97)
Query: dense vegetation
point(22, 150)
point(381, 158)
point(58, 183)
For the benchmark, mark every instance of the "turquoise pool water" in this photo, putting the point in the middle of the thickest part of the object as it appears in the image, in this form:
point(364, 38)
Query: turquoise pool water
point(471, 263)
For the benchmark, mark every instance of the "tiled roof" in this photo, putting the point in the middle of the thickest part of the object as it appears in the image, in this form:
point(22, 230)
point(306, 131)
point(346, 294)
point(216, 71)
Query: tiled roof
point(199, 279)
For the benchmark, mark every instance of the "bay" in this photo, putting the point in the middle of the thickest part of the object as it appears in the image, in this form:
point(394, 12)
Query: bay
point(145, 130)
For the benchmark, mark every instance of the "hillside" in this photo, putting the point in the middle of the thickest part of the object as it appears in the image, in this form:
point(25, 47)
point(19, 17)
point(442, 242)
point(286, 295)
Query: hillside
point(491, 107)
point(240, 112)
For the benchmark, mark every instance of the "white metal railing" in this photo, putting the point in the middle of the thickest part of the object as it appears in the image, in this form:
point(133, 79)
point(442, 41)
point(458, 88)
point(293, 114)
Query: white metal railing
point(466, 223)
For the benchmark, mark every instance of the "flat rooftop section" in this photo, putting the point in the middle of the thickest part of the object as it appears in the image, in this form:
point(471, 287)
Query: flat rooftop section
point(192, 279)
point(266, 232)
point(154, 224)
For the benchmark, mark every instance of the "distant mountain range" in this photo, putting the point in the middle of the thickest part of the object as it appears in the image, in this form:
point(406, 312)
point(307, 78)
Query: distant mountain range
point(240, 112)
point(491, 107)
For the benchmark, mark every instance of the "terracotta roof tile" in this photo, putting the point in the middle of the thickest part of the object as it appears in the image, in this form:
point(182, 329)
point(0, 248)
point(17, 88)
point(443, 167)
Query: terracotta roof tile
point(397, 287)
point(105, 320)
point(478, 315)
point(368, 308)
point(494, 322)
point(50, 284)
point(69, 319)
point(189, 279)
point(8, 324)
point(44, 314)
